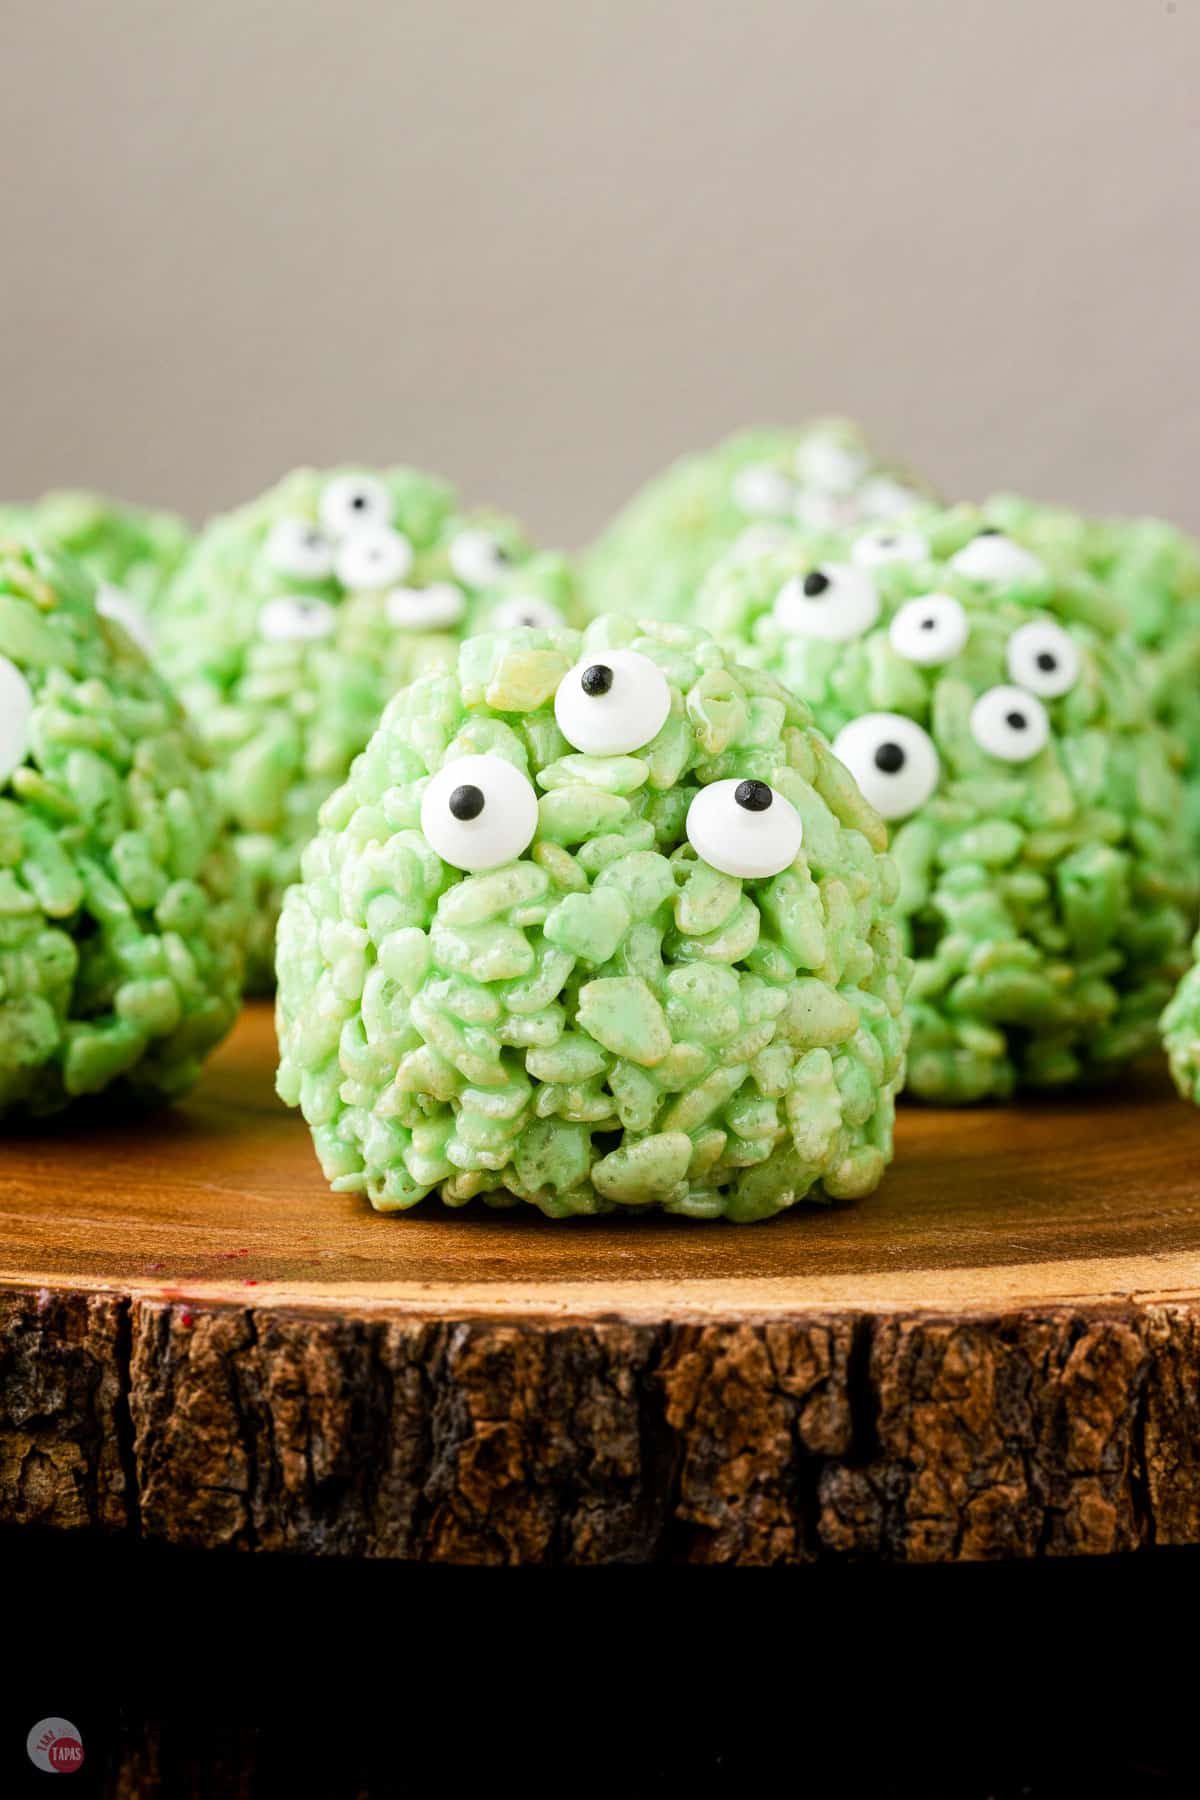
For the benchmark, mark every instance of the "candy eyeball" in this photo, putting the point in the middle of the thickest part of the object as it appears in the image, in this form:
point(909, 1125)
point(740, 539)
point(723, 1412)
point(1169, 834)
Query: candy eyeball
point(1011, 724)
point(374, 557)
point(762, 540)
point(115, 604)
point(889, 545)
point(763, 491)
point(1043, 658)
point(996, 560)
point(893, 761)
point(930, 630)
point(435, 607)
point(744, 828)
point(612, 702)
point(351, 503)
point(835, 602)
point(16, 711)
point(479, 812)
point(886, 498)
point(821, 512)
point(478, 558)
point(529, 609)
point(296, 618)
point(298, 548)
point(824, 463)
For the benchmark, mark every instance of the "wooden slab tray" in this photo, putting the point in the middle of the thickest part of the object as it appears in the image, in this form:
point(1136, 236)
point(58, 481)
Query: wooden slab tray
point(996, 1356)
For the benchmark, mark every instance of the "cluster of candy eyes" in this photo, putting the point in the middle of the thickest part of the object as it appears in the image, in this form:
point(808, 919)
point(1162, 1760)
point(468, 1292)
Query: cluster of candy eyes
point(894, 760)
point(355, 543)
point(478, 812)
point(830, 486)
point(839, 601)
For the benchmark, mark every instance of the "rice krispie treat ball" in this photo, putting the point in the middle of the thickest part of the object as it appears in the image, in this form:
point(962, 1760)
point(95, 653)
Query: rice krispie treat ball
point(131, 550)
point(123, 909)
point(750, 490)
point(596, 922)
point(297, 617)
point(1036, 813)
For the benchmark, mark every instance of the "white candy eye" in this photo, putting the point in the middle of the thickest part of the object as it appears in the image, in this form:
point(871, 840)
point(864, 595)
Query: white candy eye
point(530, 610)
point(930, 630)
point(479, 812)
point(418, 609)
point(997, 560)
point(835, 601)
point(763, 491)
point(114, 603)
point(16, 710)
point(875, 548)
point(744, 828)
point(821, 512)
point(296, 618)
point(612, 703)
point(885, 498)
point(1043, 658)
point(373, 558)
point(352, 502)
point(478, 558)
point(761, 540)
point(824, 463)
point(893, 761)
point(1009, 723)
point(298, 548)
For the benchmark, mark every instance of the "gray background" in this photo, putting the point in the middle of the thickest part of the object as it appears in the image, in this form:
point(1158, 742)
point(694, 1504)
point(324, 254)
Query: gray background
point(543, 245)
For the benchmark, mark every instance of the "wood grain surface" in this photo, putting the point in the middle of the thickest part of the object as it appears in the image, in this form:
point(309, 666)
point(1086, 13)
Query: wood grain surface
point(996, 1355)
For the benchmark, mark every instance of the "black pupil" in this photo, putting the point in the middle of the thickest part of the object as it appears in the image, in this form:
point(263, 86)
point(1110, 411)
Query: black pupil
point(755, 796)
point(1047, 660)
point(929, 622)
point(466, 802)
point(1017, 720)
point(889, 758)
point(597, 679)
point(815, 584)
point(358, 502)
point(990, 531)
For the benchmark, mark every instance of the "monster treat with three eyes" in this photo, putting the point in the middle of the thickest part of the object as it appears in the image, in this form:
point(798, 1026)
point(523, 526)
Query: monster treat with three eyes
point(297, 617)
point(594, 923)
point(751, 493)
point(1036, 810)
point(123, 908)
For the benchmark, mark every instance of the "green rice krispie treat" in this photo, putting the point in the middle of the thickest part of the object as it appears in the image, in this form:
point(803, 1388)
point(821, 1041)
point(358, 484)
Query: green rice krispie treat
point(1037, 814)
point(131, 550)
point(596, 922)
point(123, 908)
point(297, 617)
point(749, 491)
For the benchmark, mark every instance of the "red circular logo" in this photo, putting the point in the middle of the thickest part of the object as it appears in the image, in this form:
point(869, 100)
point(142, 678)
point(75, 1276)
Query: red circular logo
point(55, 1746)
